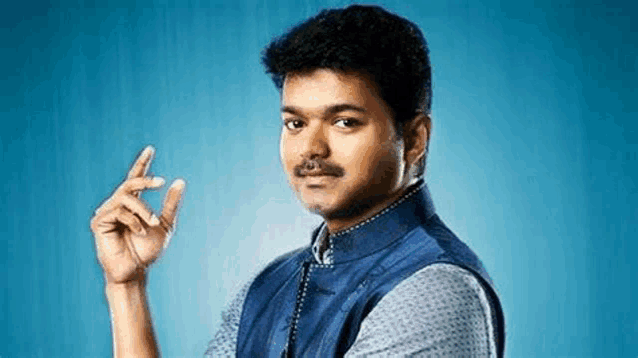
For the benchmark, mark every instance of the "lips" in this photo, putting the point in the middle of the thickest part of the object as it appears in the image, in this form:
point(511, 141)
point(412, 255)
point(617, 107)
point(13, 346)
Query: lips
point(318, 174)
point(318, 181)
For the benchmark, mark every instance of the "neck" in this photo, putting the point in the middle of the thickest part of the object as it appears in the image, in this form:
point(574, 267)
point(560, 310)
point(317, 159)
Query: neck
point(337, 224)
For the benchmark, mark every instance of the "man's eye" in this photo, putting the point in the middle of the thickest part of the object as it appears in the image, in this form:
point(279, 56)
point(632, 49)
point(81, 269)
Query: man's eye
point(293, 124)
point(347, 123)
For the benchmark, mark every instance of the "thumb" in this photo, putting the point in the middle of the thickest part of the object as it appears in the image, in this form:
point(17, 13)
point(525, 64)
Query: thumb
point(172, 203)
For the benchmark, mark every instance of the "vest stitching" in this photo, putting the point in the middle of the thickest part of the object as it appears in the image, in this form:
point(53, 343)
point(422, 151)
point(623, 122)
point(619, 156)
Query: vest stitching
point(331, 237)
point(297, 315)
point(384, 211)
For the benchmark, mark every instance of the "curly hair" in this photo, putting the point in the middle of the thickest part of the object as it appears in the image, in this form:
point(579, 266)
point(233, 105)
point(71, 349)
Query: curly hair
point(391, 50)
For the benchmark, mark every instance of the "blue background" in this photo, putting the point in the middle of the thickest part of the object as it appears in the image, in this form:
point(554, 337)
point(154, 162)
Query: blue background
point(533, 161)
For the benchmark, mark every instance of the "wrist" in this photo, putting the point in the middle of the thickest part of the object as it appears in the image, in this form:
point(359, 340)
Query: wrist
point(126, 290)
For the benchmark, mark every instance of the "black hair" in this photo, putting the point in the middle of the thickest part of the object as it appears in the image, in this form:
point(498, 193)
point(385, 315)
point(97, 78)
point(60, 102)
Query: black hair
point(368, 39)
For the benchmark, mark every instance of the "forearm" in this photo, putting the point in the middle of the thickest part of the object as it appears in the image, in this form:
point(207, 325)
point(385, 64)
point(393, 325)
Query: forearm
point(131, 322)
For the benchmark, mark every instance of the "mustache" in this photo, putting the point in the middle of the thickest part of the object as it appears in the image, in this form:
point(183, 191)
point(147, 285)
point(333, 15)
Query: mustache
point(317, 166)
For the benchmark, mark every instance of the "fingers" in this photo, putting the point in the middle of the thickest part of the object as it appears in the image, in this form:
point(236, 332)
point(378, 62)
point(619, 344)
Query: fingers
point(108, 222)
point(130, 187)
point(135, 185)
point(127, 218)
point(133, 204)
point(136, 206)
point(171, 202)
point(143, 162)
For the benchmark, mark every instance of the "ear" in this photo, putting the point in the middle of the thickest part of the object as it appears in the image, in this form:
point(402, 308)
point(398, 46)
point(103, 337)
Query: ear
point(416, 136)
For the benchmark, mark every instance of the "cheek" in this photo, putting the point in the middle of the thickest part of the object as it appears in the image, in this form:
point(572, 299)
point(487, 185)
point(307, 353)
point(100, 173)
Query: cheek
point(386, 166)
point(283, 155)
point(366, 161)
point(287, 153)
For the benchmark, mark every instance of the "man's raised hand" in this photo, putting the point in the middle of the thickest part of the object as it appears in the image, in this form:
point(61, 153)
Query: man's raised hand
point(128, 235)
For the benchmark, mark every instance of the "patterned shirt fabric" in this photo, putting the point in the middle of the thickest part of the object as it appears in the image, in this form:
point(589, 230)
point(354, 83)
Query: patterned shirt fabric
point(441, 311)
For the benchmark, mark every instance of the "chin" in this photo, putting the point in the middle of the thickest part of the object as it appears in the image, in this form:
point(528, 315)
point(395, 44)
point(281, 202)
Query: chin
point(328, 207)
point(321, 209)
point(333, 205)
point(329, 212)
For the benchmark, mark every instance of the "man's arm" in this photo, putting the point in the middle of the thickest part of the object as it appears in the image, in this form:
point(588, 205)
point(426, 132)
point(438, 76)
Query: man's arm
point(128, 238)
point(440, 310)
point(131, 320)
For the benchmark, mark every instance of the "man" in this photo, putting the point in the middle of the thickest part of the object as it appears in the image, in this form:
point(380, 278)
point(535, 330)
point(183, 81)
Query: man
point(382, 275)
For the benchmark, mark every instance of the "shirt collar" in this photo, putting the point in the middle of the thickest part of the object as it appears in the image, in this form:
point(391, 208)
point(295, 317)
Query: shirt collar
point(377, 232)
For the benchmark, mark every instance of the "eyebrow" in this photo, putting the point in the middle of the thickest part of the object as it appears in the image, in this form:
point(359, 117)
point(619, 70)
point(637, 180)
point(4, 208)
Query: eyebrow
point(334, 109)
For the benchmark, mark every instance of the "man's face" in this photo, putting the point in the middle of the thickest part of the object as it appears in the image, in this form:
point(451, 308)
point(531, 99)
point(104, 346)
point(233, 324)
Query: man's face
point(339, 147)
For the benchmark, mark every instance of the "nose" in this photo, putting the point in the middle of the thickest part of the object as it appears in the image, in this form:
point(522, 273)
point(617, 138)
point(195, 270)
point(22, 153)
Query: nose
point(315, 143)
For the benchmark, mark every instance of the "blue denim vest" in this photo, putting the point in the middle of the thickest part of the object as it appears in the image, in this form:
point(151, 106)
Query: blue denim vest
point(298, 307)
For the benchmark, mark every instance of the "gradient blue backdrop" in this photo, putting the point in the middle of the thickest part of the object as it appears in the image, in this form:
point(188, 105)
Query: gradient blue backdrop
point(533, 161)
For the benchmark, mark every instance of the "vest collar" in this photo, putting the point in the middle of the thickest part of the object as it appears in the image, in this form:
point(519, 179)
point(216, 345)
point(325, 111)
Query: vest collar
point(377, 232)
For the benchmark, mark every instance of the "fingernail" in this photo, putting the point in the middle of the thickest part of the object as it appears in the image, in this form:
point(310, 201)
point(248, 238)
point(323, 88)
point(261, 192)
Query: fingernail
point(142, 231)
point(154, 220)
point(158, 181)
point(148, 150)
point(179, 183)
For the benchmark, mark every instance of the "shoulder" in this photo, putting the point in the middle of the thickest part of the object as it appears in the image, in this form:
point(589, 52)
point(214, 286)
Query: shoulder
point(441, 309)
point(454, 249)
point(435, 280)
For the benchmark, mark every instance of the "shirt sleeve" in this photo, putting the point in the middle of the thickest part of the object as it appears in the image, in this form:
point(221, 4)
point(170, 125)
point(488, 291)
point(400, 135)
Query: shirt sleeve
point(224, 343)
point(441, 310)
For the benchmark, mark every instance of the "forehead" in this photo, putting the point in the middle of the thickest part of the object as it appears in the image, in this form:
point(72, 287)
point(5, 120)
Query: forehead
point(324, 87)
